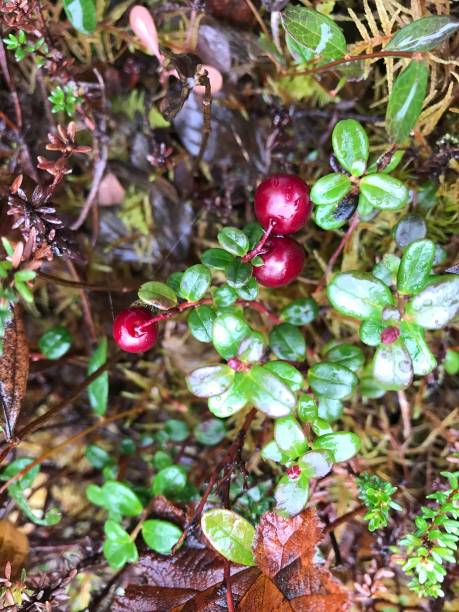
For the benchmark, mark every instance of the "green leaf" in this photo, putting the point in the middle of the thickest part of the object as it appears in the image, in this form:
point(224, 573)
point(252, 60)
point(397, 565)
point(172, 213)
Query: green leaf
point(321, 427)
point(81, 14)
point(386, 270)
point(176, 430)
point(234, 241)
point(343, 445)
point(201, 321)
point(437, 304)
point(210, 432)
point(118, 547)
point(268, 393)
point(158, 295)
point(174, 280)
point(227, 334)
point(287, 342)
point(451, 362)
point(195, 282)
point(161, 536)
point(254, 233)
point(238, 273)
point(252, 348)
point(370, 332)
point(330, 409)
point(216, 259)
point(424, 34)
point(161, 460)
point(291, 495)
point(55, 343)
point(347, 355)
point(317, 34)
point(330, 189)
point(350, 144)
point(97, 456)
point(230, 534)
point(224, 296)
point(300, 312)
point(384, 191)
point(16, 466)
point(249, 291)
point(210, 380)
point(169, 481)
point(98, 389)
point(307, 408)
point(272, 452)
point(317, 464)
point(406, 100)
point(287, 373)
point(290, 437)
point(392, 366)
point(334, 216)
point(119, 498)
point(332, 380)
point(422, 359)
point(359, 295)
point(231, 401)
point(299, 53)
point(415, 267)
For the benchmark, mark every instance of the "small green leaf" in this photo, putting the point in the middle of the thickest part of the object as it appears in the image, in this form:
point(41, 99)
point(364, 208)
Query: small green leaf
point(55, 343)
point(254, 233)
point(406, 100)
point(330, 409)
point(272, 452)
point(332, 380)
point(423, 34)
point(370, 332)
point(252, 348)
point(176, 430)
point(307, 408)
point(287, 373)
point(291, 495)
point(216, 259)
point(343, 445)
point(231, 401)
point(161, 536)
point(195, 282)
point(350, 144)
point(290, 437)
point(451, 362)
point(287, 342)
point(384, 191)
point(359, 295)
point(422, 359)
point(81, 14)
point(98, 389)
point(224, 296)
point(347, 355)
point(230, 534)
point(321, 427)
point(392, 366)
point(201, 321)
point(317, 464)
point(386, 270)
point(118, 547)
point(300, 312)
point(169, 481)
point(330, 189)
point(117, 497)
point(227, 334)
point(97, 456)
point(249, 291)
point(415, 267)
point(334, 216)
point(210, 380)
point(174, 280)
point(161, 460)
point(238, 273)
point(437, 304)
point(16, 466)
point(210, 432)
point(158, 295)
point(234, 241)
point(268, 393)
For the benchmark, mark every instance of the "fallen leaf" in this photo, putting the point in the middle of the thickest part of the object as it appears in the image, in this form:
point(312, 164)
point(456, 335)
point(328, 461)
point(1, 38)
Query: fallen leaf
point(14, 370)
point(14, 547)
point(263, 595)
point(233, 10)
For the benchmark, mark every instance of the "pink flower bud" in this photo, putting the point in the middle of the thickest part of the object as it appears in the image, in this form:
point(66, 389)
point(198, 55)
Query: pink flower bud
point(215, 79)
point(389, 335)
point(143, 25)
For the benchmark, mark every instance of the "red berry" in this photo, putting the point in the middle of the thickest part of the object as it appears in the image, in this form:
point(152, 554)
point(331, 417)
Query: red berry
point(282, 262)
point(126, 334)
point(285, 199)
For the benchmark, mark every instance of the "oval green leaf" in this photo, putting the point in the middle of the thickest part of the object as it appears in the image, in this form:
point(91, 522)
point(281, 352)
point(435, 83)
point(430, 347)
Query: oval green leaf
point(55, 343)
point(290, 437)
point(81, 14)
point(415, 267)
point(231, 401)
point(347, 355)
point(98, 389)
point(161, 536)
point(359, 295)
point(169, 481)
point(350, 144)
point(330, 189)
point(437, 304)
point(423, 34)
point(234, 241)
point(210, 380)
point(287, 342)
point(287, 373)
point(343, 445)
point(117, 497)
point(158, 295)
point(195, 282)
point(300, 312)
point(332, 380)
point(422, 358)
point(292, 495)
point(230, 534)
point(268, 393)
point(216, 259)
point(228, 331)
point(392, 366)
point(201, 321)
point(384, 191)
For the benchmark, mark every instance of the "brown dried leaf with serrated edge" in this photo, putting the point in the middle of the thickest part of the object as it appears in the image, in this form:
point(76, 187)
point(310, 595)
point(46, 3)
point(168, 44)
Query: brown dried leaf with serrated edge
point(14, 370)
point(264, 595)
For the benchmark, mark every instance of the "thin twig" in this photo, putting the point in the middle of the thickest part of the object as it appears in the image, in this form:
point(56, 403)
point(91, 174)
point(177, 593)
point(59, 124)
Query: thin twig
point(207, 115)
point(87, 286)
point(345, 518)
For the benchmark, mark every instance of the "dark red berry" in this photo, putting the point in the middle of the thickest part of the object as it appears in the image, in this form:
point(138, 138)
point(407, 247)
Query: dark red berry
point(390, 335)
point(285, 199)
point(126, 332)
point(282, 262)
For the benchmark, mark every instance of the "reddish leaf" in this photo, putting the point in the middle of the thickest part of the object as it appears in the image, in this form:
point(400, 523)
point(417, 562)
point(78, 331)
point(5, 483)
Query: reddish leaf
point(264, 596)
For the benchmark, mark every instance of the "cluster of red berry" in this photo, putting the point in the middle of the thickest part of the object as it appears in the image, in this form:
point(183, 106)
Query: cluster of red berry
point(282, 206)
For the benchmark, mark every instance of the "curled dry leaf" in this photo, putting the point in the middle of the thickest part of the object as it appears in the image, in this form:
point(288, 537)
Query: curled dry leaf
point(14, 547)
point(14, 370)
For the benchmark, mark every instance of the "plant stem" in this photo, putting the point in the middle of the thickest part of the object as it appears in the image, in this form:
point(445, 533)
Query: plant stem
point(258, 248)
point(344, 518)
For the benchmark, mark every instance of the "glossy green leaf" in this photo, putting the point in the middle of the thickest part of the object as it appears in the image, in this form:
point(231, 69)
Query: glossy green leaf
point(174, 280)
point(291, 495)
point(98, 389)
point(395, 159)
point(249, 291)
point(370, 387)
point(97, 456)
point(161, 460)
point(307, 408)
point(119, 498)
point(350, 144)
point(415, 267)
point(386, 270)
point(287, 373)
point(16, 466)
point(252, 348)
point(268, 393)
point(81, 14)
point(315, 32)
point(272, 452)
point(392, 366)
point(365, 210)
point(216, 259)
point(118, 547)
point(347, 355)
point(332, 380)
point(424, 34)
point(406, 100)
point(224, 296)
point(210, 432)
point(370, 332)
point(176, 430)
point(254, 233)
point(161, 536)
point(170, 481)
point(316, 463)
point(210, 380)
point(330, 409)
point(238, 273)
point(230, 534)
point(158, 295)
point(234, 241)
point(299, 53)
point(451, 362)
point(334, 216)
point(422, 358)
point(330, 189)
point(359, 295)
point(343, 445)
point(384, 191)
point(195, 282)
point(287, 342)
point(201, 322)
point(227, 334)
point(321, 427)
point(290, 437)
point(55, 343)
point(300, 312)
point(437, 304)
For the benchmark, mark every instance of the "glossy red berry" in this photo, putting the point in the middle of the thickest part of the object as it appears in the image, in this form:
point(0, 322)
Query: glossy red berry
point(283, 198)
point(127, 335)
point(282, 262)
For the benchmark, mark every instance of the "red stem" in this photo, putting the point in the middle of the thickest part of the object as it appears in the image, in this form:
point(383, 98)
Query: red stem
point(258, 248)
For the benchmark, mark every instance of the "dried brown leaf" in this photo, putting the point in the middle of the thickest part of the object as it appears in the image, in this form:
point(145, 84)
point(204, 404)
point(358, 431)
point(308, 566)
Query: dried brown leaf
point(264, 595)
point(14, 547)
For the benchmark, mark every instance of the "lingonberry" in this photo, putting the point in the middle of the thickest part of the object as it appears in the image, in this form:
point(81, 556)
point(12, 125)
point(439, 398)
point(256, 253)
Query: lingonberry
point(283, 261)
point(284, 198)
point(127, 334)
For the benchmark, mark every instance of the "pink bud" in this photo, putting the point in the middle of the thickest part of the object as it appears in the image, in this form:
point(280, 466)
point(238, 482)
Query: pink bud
point(389, 335)
point(215, 79)
point(143, 25)
point(294, 472)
